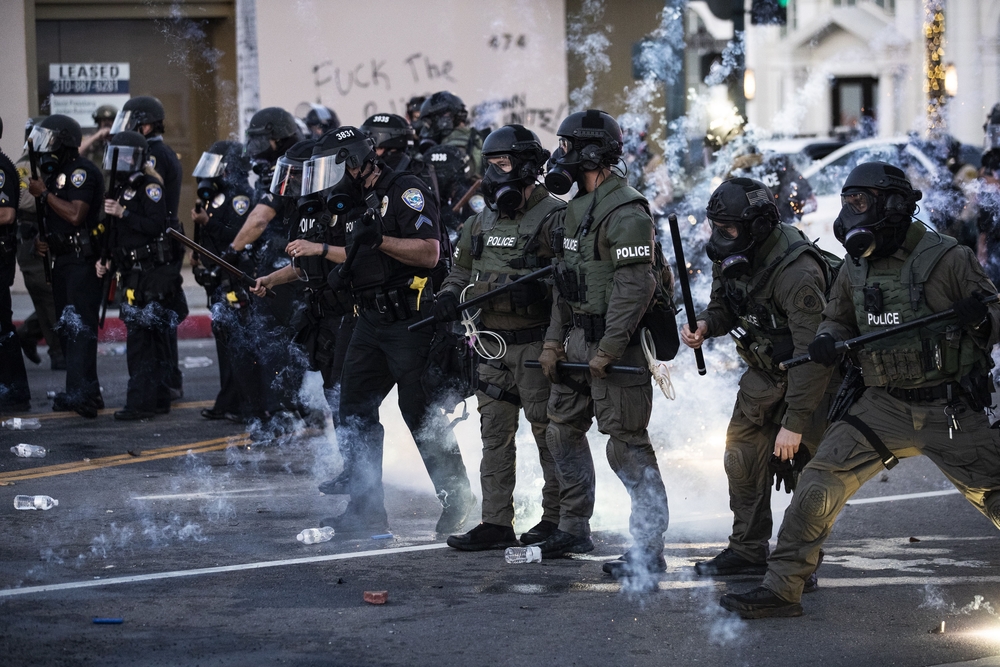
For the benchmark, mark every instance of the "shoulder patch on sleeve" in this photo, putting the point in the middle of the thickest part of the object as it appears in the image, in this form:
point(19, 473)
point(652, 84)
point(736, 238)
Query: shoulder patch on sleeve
point(414, 198)
point(809, 300)
point(151, 161)
point(423, 220)
point(3, 178)
point(385, 205)
point(154, 192)
point(241, 204)
point(78, 177)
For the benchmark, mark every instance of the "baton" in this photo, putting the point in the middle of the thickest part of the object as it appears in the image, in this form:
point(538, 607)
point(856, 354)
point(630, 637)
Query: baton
point(682, 275)
point(489, 296)
point(107, 283)
point(861, 341)
point(247, 280)
point(42, 234)
point(571, 366)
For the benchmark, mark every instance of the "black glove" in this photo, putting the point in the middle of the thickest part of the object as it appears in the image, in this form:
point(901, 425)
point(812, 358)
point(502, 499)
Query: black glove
point(368, 232)
point(445, 307)
point(231, 255)
point(527, 293)
point(823, 350)
point(334, 279)
point(971, 310)
point(788, 471)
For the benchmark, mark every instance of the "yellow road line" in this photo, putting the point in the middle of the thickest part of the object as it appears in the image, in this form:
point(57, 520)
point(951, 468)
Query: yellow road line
point(124, 459)
point(110, 411)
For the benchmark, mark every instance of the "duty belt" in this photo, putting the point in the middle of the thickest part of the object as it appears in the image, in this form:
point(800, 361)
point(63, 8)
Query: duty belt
point(925, 394)
point(393, 304)
point(146, 257)
point(78, 244)
point(521, 336)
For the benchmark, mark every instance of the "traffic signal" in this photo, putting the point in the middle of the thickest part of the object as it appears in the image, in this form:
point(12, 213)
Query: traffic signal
point(769, 12)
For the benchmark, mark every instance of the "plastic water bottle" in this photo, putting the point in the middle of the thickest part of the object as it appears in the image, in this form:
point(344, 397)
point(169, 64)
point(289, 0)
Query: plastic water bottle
point(28, 451)
point(18, 424)
point(34, 502)
point(530, 554)
point(315, 535)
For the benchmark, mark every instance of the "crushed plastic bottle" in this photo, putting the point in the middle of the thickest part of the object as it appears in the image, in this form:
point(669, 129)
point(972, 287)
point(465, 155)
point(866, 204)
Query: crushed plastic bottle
point(27, 451)
point(34, 502)
point(530, 554)
point(19, 424)
point(315, 535)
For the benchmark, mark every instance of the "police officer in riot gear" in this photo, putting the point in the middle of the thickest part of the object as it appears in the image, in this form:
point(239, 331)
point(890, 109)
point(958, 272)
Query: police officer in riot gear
point(224, 200)
point(317, 118)
point(14, 393)
point(604, 284)
point(271, 132)
point(897, 270)
point(768, 292)
point(93, 145)
point(392, 227)
point(444, 122)
point(71, 191)
point(145, 115)
point(394, 141)
point(509, 239)
point(147, 276)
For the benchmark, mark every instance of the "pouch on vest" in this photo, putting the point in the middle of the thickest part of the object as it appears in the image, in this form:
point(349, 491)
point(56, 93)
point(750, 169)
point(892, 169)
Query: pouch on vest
point(451, 374)
point(661, 316)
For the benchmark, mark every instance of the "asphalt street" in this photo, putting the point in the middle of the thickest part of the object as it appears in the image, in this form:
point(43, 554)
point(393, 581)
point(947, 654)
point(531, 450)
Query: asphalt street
point(184, 529)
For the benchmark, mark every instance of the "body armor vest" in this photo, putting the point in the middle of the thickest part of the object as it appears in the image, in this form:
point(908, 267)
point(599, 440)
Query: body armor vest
point(316, 229)
point(763, 338)
point(931, 355)
point(504, 250)
point(583, 278)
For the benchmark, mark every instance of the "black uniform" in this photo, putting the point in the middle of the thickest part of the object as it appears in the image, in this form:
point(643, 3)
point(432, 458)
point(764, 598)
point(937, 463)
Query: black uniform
point(164, 160)
point(14, 393)
point(76, 288)
point(147, 282)
point(382, 353)
point(226, 212)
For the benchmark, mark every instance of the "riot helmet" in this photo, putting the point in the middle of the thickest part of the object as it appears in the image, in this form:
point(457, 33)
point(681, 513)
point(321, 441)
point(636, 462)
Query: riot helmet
point(223, 159)
point(877, 205)
point(287, 178)
point(515, 158)
point(55, 140)
point(335, 155)
point(992, 128)
point(742, 213)
point(588, 141)
point(103, 114)
point(139, 111)
point(389, 132)
point(440, 114)
point(30, 124)
point(450, 164)
point(270, 123)
point(317, 118)
point(131, 149)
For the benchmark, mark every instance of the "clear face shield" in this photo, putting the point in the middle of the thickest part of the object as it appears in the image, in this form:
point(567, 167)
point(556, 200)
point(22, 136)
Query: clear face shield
point(322, 173)
point(287, 180)
point(211, 165)
point(129, 159)
point(43, 140)
point(122, 122)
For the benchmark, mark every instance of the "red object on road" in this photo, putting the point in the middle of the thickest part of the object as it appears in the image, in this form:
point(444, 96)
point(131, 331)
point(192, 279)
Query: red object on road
point(376, 597)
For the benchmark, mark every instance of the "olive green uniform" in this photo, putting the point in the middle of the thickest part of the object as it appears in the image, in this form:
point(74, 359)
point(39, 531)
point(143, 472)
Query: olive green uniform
point(604, 284)
point(903, 405)
point(492, 251)
point(773, 315)
point(472, 145)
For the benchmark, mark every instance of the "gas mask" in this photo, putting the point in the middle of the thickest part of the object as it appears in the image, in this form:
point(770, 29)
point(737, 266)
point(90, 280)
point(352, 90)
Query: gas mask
point(567, 163)
point(348, 193)
point(311, 205)
point(436, 127)
point(731, 245)
point(504, 190)
point(207, 189)
point(873, 225)
point(48, 163)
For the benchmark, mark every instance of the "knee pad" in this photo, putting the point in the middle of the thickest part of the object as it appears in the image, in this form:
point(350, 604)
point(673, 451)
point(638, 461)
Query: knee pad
point(814, 500)
point(735, 465)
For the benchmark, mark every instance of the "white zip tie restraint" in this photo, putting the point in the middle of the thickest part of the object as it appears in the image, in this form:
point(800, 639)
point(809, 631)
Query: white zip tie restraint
point(476, 337)
point(659, 369)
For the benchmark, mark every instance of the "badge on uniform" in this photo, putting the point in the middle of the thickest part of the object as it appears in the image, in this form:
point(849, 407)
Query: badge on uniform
point(78, 177)
point(414, 198)
point(385, 205)
point(477, 203)
point(3, 178)
point(241, 204)
point(219, 200)
point(128, 195)
point(423, 220)
point(154, 192)
point(151, 162)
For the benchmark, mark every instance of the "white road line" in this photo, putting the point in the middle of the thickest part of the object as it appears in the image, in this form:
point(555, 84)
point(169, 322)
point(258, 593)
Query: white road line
point(27, 590)
point(201, 494)
point(905, 496)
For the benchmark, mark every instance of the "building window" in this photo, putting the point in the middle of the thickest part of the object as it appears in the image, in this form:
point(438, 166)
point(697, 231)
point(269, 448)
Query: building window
point(854, 110)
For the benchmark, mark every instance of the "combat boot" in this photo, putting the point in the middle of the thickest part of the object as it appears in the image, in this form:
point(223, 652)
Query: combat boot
point(729, 562)
point(812, 581)
point(635, 562)
point(760, 603)
point(129, 415)
point(455, 513)
point(538, 533)
point(560, 543)
point(484, 537)
point(350, 526)
point(338, 486)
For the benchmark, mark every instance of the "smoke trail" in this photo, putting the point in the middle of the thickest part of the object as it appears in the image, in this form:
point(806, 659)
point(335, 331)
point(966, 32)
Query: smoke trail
point(587, 40)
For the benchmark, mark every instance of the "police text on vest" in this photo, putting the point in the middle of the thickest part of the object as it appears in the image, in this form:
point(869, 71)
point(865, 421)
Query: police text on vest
point(883, 320)
point(632, 252)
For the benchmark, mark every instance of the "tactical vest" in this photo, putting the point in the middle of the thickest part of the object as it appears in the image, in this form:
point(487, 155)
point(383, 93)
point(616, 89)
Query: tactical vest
point(505, 249)
point(584, 279)
point(763, 338)
point(316, 229)
point(931, 355)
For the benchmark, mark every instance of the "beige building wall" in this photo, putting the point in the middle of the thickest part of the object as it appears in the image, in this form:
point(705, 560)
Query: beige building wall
point(14, 86)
